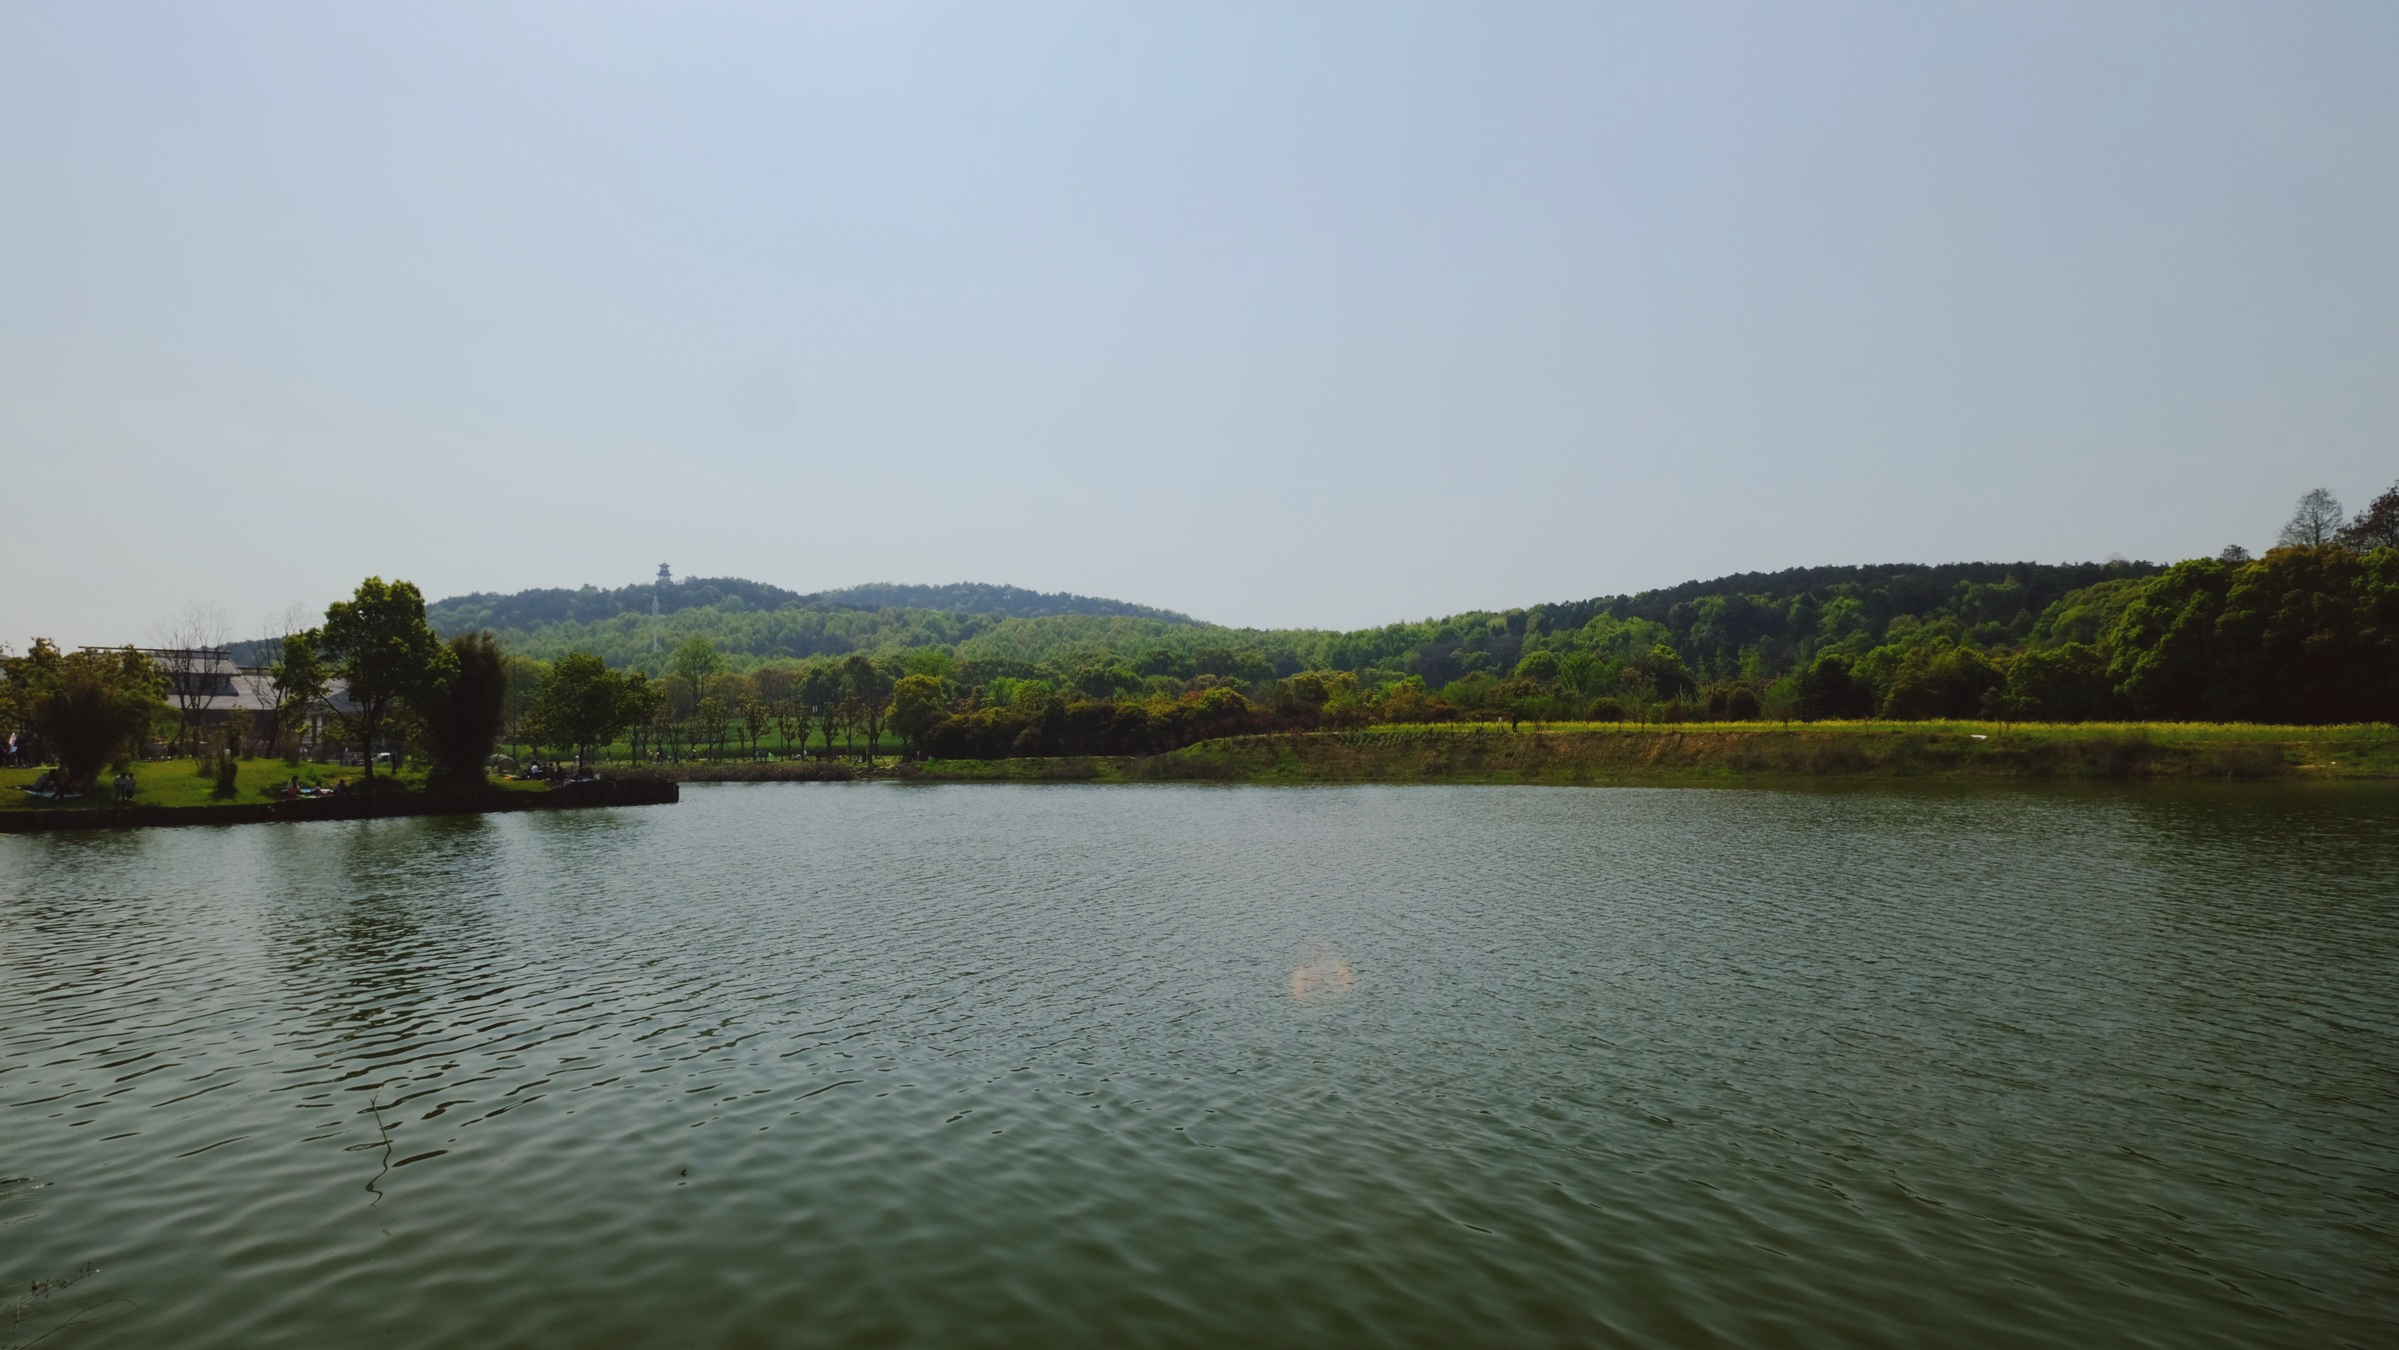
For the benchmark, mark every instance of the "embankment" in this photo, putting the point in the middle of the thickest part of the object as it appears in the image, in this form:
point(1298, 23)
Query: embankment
point(1721, 753)
point(643, 791)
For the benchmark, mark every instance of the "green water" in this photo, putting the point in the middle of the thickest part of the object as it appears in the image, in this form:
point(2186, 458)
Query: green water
point(965, 1066)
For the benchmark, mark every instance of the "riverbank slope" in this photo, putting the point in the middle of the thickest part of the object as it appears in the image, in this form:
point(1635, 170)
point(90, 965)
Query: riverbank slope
point(1730, 752)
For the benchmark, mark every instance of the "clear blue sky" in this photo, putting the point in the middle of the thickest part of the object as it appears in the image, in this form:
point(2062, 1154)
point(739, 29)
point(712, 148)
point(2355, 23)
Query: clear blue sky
point(1277, 314)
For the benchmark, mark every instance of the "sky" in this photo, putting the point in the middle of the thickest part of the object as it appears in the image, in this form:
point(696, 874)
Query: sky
point(1315, 315)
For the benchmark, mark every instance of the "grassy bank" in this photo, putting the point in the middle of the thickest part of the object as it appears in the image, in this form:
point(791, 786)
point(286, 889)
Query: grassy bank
point(1731, 752)
point(176, 783)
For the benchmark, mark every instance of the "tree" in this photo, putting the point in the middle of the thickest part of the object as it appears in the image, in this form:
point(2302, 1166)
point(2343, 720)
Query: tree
point(917, 706)
point(2163, 652)
point(583, 704)
point(2315, 522)
point(462, 709)
point(821, 690)
point(644, 705)
point(2065, 683)
point(189, 643)
point(90, 706)
point(1826, 689)
point(274, 632)
point(28, 678)
point(380, 645)
point(297, 680)
point(695, 659)
point(2377, 526)
point(525, 677)
point(773, 691)
point(1947, 682)
point(872, 689)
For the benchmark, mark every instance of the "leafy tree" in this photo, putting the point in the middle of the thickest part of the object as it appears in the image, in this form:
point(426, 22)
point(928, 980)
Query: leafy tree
point(870, 691)
point(2163, 652)
point(88, 707)
point(775, 692)
point(2065, 683)
point(380, 646)
point(525, 677)
point(644, 705)
point(1940, 682)
point(917, 706)
point(2377, 526)
point(821, 689)
point(583, 704)
point(1827, 689)
point(695, 659)
point(2315, 522)
point(28, 677)
point(462, 710)
point(298, 679)
point(1541, 667)
point(2311, 635)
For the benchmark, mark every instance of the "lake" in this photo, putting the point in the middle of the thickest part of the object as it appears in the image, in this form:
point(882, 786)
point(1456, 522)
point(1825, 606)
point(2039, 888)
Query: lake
point(873, 1064)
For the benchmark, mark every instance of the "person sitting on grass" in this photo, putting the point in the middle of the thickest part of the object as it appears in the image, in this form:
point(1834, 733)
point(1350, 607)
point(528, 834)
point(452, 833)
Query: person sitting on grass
point(46, 785)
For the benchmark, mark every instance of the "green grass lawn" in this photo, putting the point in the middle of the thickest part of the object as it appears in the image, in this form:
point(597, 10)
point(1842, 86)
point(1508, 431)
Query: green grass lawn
point(175, 782)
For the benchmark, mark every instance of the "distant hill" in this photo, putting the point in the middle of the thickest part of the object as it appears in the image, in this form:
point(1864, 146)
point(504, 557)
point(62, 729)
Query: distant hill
point(1722, 628)
point(529, 610)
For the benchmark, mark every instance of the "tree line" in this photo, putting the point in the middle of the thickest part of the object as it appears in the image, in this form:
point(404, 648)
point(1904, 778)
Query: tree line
point(2306, 633)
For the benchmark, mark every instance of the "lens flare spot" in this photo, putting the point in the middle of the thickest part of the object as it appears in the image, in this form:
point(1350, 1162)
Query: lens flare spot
point(1320, 977)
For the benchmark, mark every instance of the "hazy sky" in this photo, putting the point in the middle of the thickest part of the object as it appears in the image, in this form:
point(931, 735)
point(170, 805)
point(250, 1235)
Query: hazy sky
point(1277, 314)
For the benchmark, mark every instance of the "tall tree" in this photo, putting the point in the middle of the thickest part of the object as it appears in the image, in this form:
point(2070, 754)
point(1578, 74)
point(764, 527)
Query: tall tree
point(297, 678)
point(379, 644)
point(2377, 526)
point(462, 709)
point(644, 702)
point(2315, 522)
point(695, 659)
point(917, 706)
point(190, 645)
point(870, 687)
point(584, 704)
point(95, 706)
point(821, 690)
point(27, 678)
point(774, 691)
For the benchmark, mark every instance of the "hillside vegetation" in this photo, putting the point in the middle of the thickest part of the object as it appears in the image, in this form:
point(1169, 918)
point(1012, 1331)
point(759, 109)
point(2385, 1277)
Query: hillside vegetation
point(1755, 622)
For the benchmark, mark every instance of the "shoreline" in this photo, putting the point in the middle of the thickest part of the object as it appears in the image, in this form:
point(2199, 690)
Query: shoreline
point(1695, 754)
point(642, 791)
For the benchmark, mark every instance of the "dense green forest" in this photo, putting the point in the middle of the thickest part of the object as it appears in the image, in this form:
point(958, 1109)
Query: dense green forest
point(1746, 625)
point(2308, 633)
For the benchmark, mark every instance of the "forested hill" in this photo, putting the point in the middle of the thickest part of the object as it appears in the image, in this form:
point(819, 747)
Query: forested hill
point(1761, 621)
point(528, 611)
point(2000, 599)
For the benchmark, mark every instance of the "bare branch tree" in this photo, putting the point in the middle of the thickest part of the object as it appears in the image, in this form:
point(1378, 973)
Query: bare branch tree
point(189, 643)
point(2316, 521)
point(266, 653)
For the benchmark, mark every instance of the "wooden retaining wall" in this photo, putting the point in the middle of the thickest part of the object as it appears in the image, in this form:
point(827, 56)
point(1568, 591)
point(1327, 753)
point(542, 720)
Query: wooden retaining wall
point(354, 806)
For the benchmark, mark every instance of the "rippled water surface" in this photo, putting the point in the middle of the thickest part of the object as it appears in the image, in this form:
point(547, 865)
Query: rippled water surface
point(818, 1064)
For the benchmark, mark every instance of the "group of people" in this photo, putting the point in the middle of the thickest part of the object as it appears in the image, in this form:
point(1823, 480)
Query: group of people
point(53, 783)
point(340, 788)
